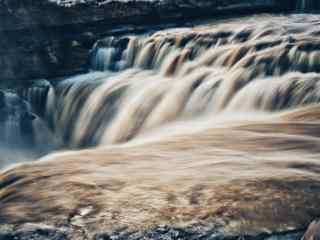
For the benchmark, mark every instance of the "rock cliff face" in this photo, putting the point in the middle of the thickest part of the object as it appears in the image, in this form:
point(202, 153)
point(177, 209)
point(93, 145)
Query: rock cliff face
point(26, 14)
point(50, 38)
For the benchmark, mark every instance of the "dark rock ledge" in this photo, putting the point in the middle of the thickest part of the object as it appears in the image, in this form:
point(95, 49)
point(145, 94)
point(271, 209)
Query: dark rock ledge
point(45, 232)
point(51, 38)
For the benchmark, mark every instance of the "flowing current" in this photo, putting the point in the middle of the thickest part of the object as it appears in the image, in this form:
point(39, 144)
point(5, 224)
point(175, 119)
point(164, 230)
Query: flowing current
point(262, 64)
point(257, 65)
point(212, 124)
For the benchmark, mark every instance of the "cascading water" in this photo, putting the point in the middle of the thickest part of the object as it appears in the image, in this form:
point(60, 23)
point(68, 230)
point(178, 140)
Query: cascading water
point(139, 83)
point(199, 127)
point(148, 81)
point(24, 135)
point(307, 5)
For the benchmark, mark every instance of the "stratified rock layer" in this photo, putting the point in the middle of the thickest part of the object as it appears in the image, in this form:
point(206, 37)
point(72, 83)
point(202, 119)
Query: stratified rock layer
point(52, 38)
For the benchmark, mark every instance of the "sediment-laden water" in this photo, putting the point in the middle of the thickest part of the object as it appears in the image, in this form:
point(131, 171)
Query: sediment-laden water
point(179, 74)
point(215, 125)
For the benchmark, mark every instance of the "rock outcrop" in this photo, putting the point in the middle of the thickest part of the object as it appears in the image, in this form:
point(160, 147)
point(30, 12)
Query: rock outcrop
point(47, 232)
point(30, 14)
point(51, 38)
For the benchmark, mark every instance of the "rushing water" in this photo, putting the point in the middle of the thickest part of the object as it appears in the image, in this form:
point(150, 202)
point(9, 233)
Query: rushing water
point(263, 64)
point(212, 124)
point(307, 5)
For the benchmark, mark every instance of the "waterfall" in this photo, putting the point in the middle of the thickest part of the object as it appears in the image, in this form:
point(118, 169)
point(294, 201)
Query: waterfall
point(307, 5)
point(21, 129)
point(211, 128)
point(140, 83)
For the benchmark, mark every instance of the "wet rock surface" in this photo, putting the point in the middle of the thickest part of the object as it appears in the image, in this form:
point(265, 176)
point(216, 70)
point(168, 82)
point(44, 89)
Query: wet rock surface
point(32, 231)
point(27, 14)
point(53, 38)
point(47, 232)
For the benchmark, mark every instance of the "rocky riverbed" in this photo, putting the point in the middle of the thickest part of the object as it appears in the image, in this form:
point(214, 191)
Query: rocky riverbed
point(69, 232)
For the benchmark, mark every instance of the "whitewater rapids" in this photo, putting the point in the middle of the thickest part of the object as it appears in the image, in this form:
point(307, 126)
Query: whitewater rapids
point(212, 125)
